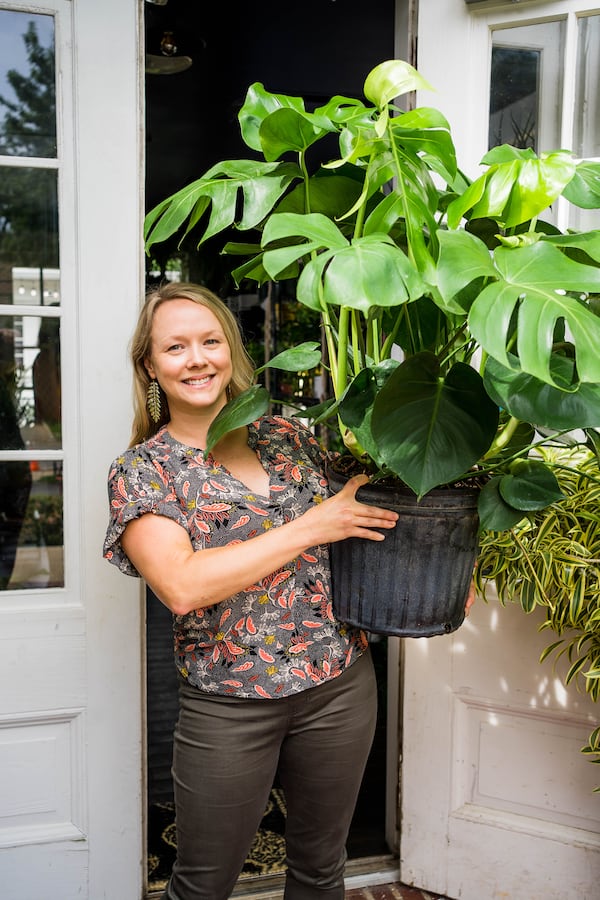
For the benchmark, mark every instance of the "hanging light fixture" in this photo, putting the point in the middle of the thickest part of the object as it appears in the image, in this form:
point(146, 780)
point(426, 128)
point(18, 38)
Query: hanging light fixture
point(167, 63)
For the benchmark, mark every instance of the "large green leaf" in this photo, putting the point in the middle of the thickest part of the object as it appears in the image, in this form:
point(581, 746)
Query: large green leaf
point(313, 227)
point(287, 130)
point(318, 231)
point(431, 430)
point(531, 400)
point(425, 132)
point(530, 485)
point(356, 405)
point(261, 185)
point(247, 407)
point(495, 514)
point(515, 189)
point(295, 359)
point(391, 79)
point(527, 292)
point(584, 188)
point(260, 103)
point(330, 193)
point(371, 272)
point(462, 258)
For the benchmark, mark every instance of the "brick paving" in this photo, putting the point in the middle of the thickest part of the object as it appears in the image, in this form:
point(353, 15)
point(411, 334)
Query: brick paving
point(394, 891)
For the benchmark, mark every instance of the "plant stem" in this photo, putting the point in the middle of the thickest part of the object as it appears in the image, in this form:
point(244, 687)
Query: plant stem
point(504, 437)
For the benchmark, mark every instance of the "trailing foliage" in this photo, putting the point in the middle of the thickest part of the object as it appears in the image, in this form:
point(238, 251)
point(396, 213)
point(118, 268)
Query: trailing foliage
point(551, 559)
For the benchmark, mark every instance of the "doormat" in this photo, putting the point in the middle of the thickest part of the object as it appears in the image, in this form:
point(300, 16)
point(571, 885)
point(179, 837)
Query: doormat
point(266, 857)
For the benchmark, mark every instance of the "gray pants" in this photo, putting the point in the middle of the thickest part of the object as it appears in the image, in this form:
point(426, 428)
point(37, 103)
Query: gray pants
point(226, 754)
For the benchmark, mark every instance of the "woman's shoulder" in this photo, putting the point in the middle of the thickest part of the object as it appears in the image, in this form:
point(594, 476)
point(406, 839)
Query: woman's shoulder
point(147, 452)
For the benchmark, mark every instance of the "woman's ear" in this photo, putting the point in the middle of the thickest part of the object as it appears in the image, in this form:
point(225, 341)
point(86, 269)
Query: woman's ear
point(149, 368)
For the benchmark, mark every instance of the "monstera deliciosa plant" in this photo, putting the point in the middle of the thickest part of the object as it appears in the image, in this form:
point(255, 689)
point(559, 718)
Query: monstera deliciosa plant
point(462, 329)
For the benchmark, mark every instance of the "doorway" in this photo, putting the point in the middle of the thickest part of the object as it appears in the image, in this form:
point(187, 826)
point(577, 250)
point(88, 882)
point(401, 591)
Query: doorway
point(200, 62)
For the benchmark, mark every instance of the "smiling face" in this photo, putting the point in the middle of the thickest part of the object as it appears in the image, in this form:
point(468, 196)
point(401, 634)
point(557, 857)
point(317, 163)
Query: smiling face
point(190, 358)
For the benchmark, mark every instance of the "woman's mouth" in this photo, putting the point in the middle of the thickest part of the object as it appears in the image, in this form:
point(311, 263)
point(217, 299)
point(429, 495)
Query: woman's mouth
point(198, 382)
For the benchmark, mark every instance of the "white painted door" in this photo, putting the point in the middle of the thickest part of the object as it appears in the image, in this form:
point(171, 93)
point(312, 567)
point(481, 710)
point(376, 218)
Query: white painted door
point(497, 800)
point(70, 281)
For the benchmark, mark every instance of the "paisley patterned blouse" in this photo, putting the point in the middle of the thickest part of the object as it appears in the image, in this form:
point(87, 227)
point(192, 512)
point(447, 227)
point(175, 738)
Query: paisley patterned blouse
point(278, 636)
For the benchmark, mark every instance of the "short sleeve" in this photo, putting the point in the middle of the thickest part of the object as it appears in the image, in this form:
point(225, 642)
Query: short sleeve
point(137, 484)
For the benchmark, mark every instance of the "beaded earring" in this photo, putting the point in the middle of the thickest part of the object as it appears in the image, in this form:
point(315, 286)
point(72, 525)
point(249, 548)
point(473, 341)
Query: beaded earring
point(153, 400)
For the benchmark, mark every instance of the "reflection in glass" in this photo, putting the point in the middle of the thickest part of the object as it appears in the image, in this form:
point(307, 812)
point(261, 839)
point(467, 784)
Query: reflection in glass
point(28, 235)
point(30, 391)
point(586, 139)
point(586, 133)
point(27, 85)
point(31, 525)
point(526, 86)
point(514, 97)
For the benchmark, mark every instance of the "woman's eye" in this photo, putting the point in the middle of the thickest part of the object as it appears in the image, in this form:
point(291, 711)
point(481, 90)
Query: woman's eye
point(174, 347)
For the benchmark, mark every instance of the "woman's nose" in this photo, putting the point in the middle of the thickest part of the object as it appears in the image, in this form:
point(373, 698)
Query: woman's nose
point(195, 356)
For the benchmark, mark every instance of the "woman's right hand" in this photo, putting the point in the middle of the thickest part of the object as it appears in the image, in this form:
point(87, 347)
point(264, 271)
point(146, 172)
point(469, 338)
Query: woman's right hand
point(342, 516)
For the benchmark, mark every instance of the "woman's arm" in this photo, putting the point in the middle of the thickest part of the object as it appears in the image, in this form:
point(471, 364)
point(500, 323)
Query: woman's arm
point(185, 580)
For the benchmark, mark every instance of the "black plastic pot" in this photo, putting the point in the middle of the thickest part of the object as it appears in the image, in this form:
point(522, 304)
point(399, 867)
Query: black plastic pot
point(415, 582)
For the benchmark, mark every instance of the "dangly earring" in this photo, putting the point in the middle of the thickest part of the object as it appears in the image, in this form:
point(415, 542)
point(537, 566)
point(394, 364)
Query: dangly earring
point(153, 400)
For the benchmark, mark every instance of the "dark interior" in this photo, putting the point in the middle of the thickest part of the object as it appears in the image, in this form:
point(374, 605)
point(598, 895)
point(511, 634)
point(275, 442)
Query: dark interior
point(313, 49)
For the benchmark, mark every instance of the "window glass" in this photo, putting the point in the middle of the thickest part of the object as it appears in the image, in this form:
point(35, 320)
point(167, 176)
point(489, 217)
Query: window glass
point(586, 138)
point(526, 86)
point(30, 393)
point(31, 506)
point(27, 85)
point(31, 525)
point(28, 236)
point(586, 130)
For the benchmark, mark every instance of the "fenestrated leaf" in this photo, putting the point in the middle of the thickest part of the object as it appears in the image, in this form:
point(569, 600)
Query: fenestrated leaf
point(494, 513)
point(246, 408)
point(261, 185)
point(516, 189)
point(531, 400)
point(425, 131)
point(530, 278)
point(313, 227)
point(295, 359)
point(431, 430)
point(530, 485)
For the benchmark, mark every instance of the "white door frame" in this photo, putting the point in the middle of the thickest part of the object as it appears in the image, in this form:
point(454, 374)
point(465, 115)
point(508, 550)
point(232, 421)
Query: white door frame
point(70, 662)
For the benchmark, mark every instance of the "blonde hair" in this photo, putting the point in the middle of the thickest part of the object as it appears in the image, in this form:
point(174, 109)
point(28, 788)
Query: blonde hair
point(141, 344)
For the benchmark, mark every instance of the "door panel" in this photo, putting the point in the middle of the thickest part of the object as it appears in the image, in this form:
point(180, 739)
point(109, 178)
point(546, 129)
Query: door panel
point(497, 799)
point(70, 277)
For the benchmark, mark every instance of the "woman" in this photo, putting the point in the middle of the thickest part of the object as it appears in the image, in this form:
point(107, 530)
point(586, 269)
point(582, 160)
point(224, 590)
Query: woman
point(235, 544)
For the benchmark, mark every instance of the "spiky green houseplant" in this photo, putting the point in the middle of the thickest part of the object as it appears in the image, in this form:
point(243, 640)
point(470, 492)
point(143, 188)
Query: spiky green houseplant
point(551, 559)
point(460, 326)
